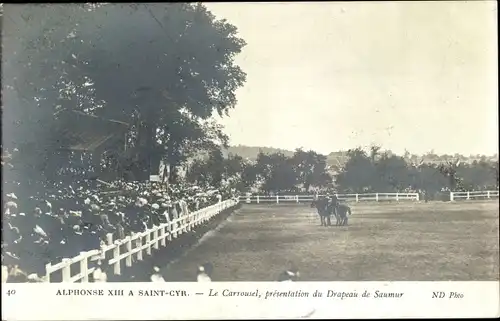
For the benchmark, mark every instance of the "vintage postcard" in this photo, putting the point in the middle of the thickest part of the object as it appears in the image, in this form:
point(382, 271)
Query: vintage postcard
point(250, 160)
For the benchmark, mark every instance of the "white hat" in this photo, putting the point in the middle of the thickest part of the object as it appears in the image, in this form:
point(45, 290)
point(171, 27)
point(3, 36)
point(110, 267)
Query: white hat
point(11, 204)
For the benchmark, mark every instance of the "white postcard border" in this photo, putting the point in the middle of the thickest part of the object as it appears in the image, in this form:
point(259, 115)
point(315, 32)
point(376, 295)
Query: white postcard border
point(419, 300)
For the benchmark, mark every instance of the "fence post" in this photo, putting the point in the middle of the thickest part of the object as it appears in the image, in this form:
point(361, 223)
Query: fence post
point(468, 195)
point(397, 197)
point(116, 255)
point(357, 197)
point(48, 271)
point(128, 259)
point(155, 237)
point(175, 226)
point(109, 238)
point(66, 270)
point(163, 241)
point(277, 199)
point(297, 197)
point(84, 267)
point(452, 197)
point(488, 194)
point(170, 228)
point(138, 243)
point(417, 196)
point(376, 197)
point(258, 201)
point(148, 242)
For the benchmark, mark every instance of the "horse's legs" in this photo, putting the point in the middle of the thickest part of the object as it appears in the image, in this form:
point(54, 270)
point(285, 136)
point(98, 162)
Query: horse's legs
point(328, 220)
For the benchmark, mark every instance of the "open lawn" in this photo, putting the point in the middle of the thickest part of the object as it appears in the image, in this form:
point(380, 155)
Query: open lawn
point(392, 241)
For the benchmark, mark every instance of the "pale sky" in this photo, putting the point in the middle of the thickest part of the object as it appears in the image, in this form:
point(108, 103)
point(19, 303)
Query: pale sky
point(333, 76)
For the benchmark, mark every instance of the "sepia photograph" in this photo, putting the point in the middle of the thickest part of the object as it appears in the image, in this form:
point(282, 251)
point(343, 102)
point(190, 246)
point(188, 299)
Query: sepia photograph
point(250, 142)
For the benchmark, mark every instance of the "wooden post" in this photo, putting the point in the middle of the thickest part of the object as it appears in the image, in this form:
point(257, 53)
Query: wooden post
point(109, 240)
point(397, 197)
point(116, 254)
point(174, 228)
point(277, 199)
point(376, 197)
point(128, 260)
point(148, 242)
point(66, 270)
point(155, 237)
point(297, 198)
point(468, 195)
point(48, 269)
point(452, 197)
point(170, 228)
point(138, 244)
point(258, 201)
point(84, 268)
point(357, 197)
point(488, 194)
point(163, 240)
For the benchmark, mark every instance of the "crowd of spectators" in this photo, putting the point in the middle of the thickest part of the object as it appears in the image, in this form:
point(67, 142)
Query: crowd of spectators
point(45, 224)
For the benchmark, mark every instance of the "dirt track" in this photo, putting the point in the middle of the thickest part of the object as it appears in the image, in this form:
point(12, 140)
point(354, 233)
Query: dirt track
point(399, 242)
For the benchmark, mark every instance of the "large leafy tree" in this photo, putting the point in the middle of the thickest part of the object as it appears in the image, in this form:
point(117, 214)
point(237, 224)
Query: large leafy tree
point(310, 168)
point(163, 68)
point(393, 173)
point(358, 174)
point(279, 172)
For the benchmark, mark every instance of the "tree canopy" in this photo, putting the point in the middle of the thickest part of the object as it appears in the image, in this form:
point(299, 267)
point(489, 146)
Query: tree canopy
point(163, 68)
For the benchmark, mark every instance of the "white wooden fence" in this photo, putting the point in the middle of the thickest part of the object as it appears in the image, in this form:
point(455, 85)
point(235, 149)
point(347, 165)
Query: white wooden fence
point(377, 197)
point(135, 245)
point(473, 195)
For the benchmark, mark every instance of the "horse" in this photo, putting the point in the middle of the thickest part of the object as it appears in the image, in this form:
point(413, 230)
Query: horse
point(324, 212)
point(341, 214)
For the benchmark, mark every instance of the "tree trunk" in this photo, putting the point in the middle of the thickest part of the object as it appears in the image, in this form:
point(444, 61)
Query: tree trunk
point(144, 151)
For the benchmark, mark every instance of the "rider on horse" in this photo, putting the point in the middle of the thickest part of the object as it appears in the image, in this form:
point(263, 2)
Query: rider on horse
point(333, 203)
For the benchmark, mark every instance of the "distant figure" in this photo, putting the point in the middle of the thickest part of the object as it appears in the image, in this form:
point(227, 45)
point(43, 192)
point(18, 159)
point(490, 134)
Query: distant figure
point(289, 275)
point(156, 276)
point(204, 273)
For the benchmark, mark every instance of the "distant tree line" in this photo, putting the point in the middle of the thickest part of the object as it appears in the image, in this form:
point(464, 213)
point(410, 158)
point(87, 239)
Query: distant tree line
point(364, 172)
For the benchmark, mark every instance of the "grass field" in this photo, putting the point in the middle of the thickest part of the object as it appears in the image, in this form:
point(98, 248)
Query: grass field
point(398, 242)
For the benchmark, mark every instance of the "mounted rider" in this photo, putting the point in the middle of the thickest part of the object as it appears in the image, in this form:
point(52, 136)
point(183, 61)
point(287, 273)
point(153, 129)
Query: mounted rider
point(333, 203)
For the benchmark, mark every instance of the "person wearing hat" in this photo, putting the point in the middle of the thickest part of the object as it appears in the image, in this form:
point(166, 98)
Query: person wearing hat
point(204, 273)
point(333, 203)
point(156, 276)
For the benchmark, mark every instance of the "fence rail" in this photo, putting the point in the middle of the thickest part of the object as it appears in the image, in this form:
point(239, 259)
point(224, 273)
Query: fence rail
point(361, 197)
point(473, 195)
point(135, 245)
point(378, 197)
